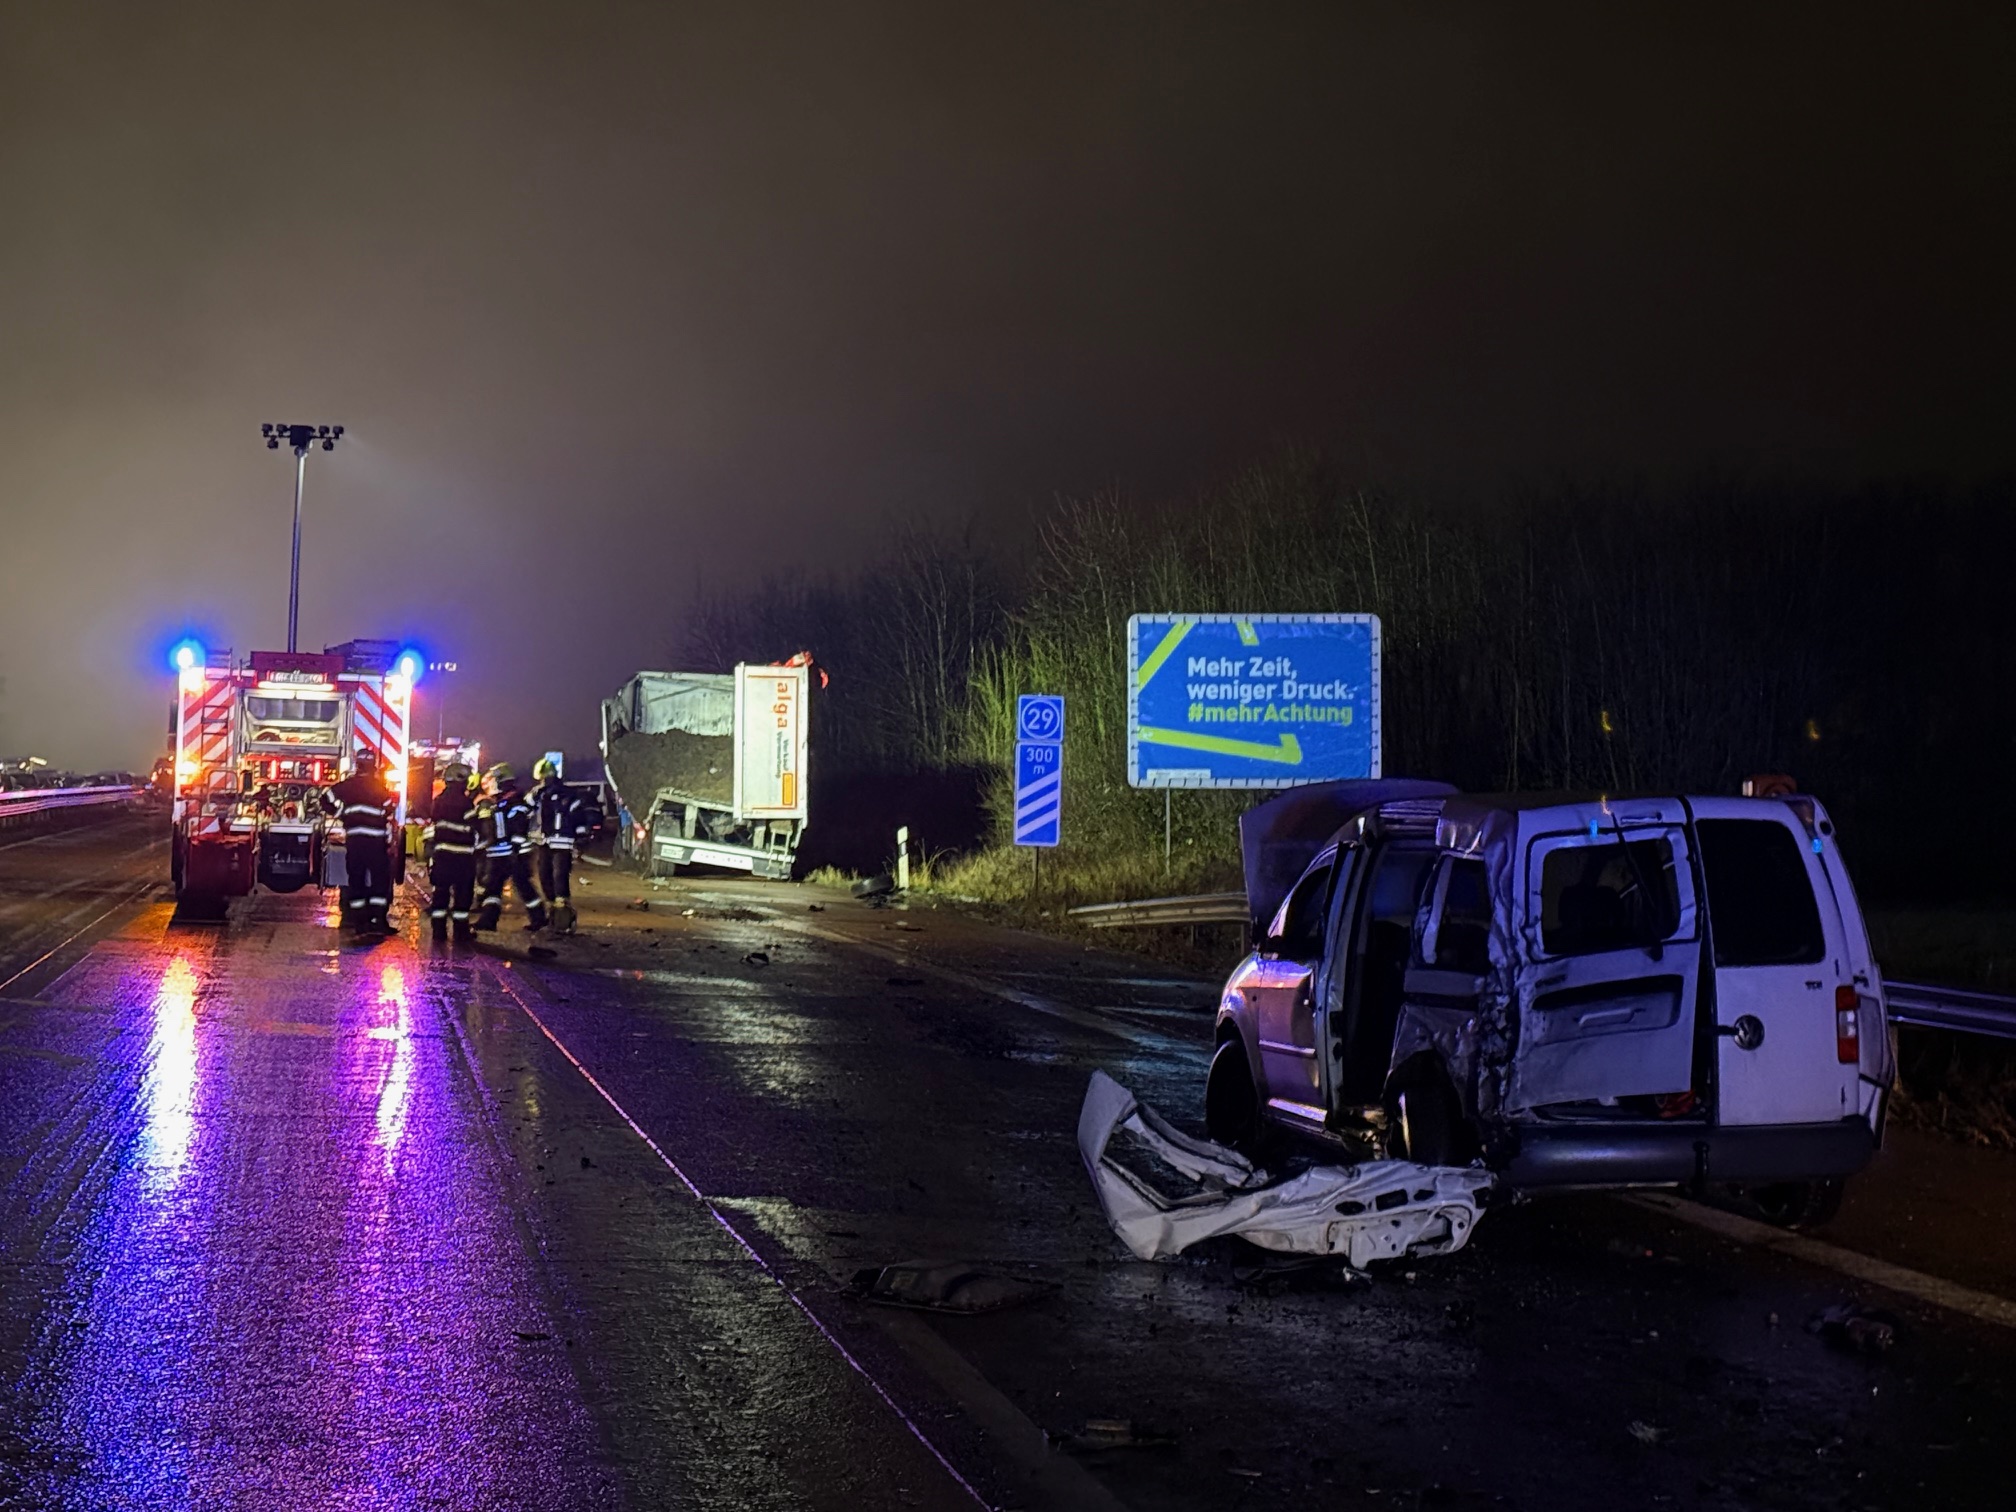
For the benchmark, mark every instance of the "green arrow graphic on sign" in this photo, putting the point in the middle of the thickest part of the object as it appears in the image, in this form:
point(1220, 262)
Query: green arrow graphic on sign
point(1287, 750)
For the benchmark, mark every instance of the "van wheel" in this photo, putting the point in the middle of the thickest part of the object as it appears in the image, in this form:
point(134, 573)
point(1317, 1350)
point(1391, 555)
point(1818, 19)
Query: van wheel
point(1231, 1107)
point(1798, 1204)
point(1425, 1123)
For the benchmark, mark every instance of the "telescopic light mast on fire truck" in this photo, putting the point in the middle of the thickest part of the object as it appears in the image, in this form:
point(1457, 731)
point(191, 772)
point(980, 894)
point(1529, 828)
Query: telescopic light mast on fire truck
point(301, 438)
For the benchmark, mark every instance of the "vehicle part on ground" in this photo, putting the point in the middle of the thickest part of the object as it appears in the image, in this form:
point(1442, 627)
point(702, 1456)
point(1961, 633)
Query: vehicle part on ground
point(1163, 1191)
point(944, 1288)
point(1795, 1204)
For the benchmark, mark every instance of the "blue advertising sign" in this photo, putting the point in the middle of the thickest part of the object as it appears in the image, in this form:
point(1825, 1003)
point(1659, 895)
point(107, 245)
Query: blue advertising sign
point(1251, 700)
point(1039, 769)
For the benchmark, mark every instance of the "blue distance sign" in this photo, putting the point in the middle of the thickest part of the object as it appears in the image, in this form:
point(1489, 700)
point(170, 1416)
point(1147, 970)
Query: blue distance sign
point(1039, 769)
point(1251, 700)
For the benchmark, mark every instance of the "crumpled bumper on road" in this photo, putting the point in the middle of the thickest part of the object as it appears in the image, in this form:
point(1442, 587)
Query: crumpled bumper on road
point(1164, 1191)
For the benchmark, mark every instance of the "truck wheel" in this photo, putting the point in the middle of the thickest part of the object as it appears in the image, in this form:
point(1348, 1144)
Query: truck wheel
point(1231, 1106)
point(1798, 1204)
point(1425, 1123)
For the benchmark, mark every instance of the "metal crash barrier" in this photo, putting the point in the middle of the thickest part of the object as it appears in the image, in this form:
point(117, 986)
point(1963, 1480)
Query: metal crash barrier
point(32, 803)
point(1913, 1005)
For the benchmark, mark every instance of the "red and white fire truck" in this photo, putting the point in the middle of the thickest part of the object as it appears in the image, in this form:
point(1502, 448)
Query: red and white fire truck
point(256, 744)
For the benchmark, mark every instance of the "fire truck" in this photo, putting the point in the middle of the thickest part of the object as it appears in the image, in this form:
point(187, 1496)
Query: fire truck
point(257, 742)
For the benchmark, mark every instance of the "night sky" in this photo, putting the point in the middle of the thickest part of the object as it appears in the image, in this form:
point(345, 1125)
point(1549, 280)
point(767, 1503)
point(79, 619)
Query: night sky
point(617, 299)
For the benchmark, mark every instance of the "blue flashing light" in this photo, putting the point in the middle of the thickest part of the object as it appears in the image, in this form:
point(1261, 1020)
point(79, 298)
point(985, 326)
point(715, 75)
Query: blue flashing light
point(1819, 846)
point(1592, 829)
point(187, 653)
point(410, 663)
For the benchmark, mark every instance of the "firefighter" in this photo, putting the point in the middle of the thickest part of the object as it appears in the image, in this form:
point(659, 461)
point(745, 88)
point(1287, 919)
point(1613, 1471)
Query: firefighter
point(450, 840)
point(363, 802)
point(561, 821)
point(504, 830)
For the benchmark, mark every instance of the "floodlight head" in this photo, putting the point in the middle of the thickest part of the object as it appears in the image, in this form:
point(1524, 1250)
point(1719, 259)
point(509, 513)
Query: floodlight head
point(328, 446)
point(271, 444)
point(321, 430)
point(339, 430)
point(265, 430)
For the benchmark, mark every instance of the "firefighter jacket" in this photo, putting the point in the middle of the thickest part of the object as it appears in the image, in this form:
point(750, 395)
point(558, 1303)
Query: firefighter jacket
point(362, 802)
point(563, 818)
point(452, 830)
point(507, 827)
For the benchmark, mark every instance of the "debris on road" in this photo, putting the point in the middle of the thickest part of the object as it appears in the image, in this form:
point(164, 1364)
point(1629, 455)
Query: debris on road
point(1644, 1432)
point(1850, 1326)
point(1163, 1191)
point(873, 887)
point(756, 958)
point(639, 905)
point(943, 1288)
point(1100, 1434)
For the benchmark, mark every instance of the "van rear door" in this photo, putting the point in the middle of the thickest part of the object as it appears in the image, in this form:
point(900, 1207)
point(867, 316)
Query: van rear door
point(1780, 959)
point(1607, 997)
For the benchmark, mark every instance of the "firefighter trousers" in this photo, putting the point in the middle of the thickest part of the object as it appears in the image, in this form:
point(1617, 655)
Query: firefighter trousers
point(454, 877)
point(514, 867)
point(368, 861)
point(556, 865)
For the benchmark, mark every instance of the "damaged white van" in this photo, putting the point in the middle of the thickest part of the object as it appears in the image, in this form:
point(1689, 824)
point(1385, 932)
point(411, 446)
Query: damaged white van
point(1589, 993)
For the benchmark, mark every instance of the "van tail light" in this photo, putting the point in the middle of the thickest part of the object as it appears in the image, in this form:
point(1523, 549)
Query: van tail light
point(1847, 1026)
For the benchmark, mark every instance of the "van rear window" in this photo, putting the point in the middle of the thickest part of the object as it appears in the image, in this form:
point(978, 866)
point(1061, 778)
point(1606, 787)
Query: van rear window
point(1764, 913)
point(1609, 896)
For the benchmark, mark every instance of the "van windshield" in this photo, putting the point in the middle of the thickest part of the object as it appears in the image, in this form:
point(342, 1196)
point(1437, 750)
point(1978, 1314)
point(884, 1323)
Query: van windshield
point(1612, 895)
point(1764, 913)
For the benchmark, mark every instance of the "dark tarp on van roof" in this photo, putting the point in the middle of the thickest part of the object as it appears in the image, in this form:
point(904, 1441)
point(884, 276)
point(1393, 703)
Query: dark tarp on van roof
point(1279, 838)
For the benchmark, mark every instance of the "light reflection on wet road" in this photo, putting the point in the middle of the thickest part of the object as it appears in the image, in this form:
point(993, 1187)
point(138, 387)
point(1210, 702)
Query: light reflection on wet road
point(285, 1272)
point(287, 1223)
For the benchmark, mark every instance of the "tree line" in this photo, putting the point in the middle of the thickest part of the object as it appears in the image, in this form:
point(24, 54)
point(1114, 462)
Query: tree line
point(1569, 638)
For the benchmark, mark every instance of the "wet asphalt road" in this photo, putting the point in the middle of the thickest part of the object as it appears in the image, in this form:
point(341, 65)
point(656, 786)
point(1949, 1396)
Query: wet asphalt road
point(286, 1222)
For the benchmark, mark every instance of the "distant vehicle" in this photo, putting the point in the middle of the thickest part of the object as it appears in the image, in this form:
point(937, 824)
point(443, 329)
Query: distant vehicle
point(711, 766)
point(1600, 993)
point(257, 742)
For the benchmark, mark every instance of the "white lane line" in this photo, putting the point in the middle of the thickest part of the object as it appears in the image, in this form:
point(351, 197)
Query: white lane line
point(141, 891)
point(727, 1227)
point(1951, 1295)
point(1099, 1023)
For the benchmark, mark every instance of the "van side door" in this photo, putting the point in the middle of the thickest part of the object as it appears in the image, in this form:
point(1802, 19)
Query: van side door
point(1781, 959)
point(1606, 995)
point(1281, 990)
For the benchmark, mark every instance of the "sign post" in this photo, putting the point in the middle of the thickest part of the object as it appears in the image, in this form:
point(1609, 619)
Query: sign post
point(1252, 700)
point(1039, 769)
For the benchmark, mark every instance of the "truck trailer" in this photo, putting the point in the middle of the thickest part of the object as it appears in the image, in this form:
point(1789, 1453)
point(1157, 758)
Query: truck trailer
point(710, 767)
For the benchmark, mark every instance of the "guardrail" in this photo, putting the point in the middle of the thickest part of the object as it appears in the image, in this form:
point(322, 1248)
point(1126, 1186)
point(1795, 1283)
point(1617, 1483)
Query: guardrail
point(1206, 908)
point(1914, 1005)
point(1918, 1005)
point(30, 802)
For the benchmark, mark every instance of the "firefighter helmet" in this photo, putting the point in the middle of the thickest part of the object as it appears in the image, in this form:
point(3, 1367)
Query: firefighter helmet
point(500, 773)
point(456, 776)
point(544, 768)
point(367, 759)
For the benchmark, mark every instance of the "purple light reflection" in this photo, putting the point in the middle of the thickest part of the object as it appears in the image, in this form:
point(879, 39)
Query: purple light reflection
point(170, 1089)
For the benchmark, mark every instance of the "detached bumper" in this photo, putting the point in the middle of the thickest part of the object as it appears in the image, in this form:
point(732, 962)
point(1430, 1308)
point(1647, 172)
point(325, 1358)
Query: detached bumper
point(1668, 1154)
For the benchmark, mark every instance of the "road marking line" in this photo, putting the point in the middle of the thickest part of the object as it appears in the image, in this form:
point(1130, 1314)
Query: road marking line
point(1951, 1295)
point(1138, 1034)
point(727, 1227)
point(138, 892)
